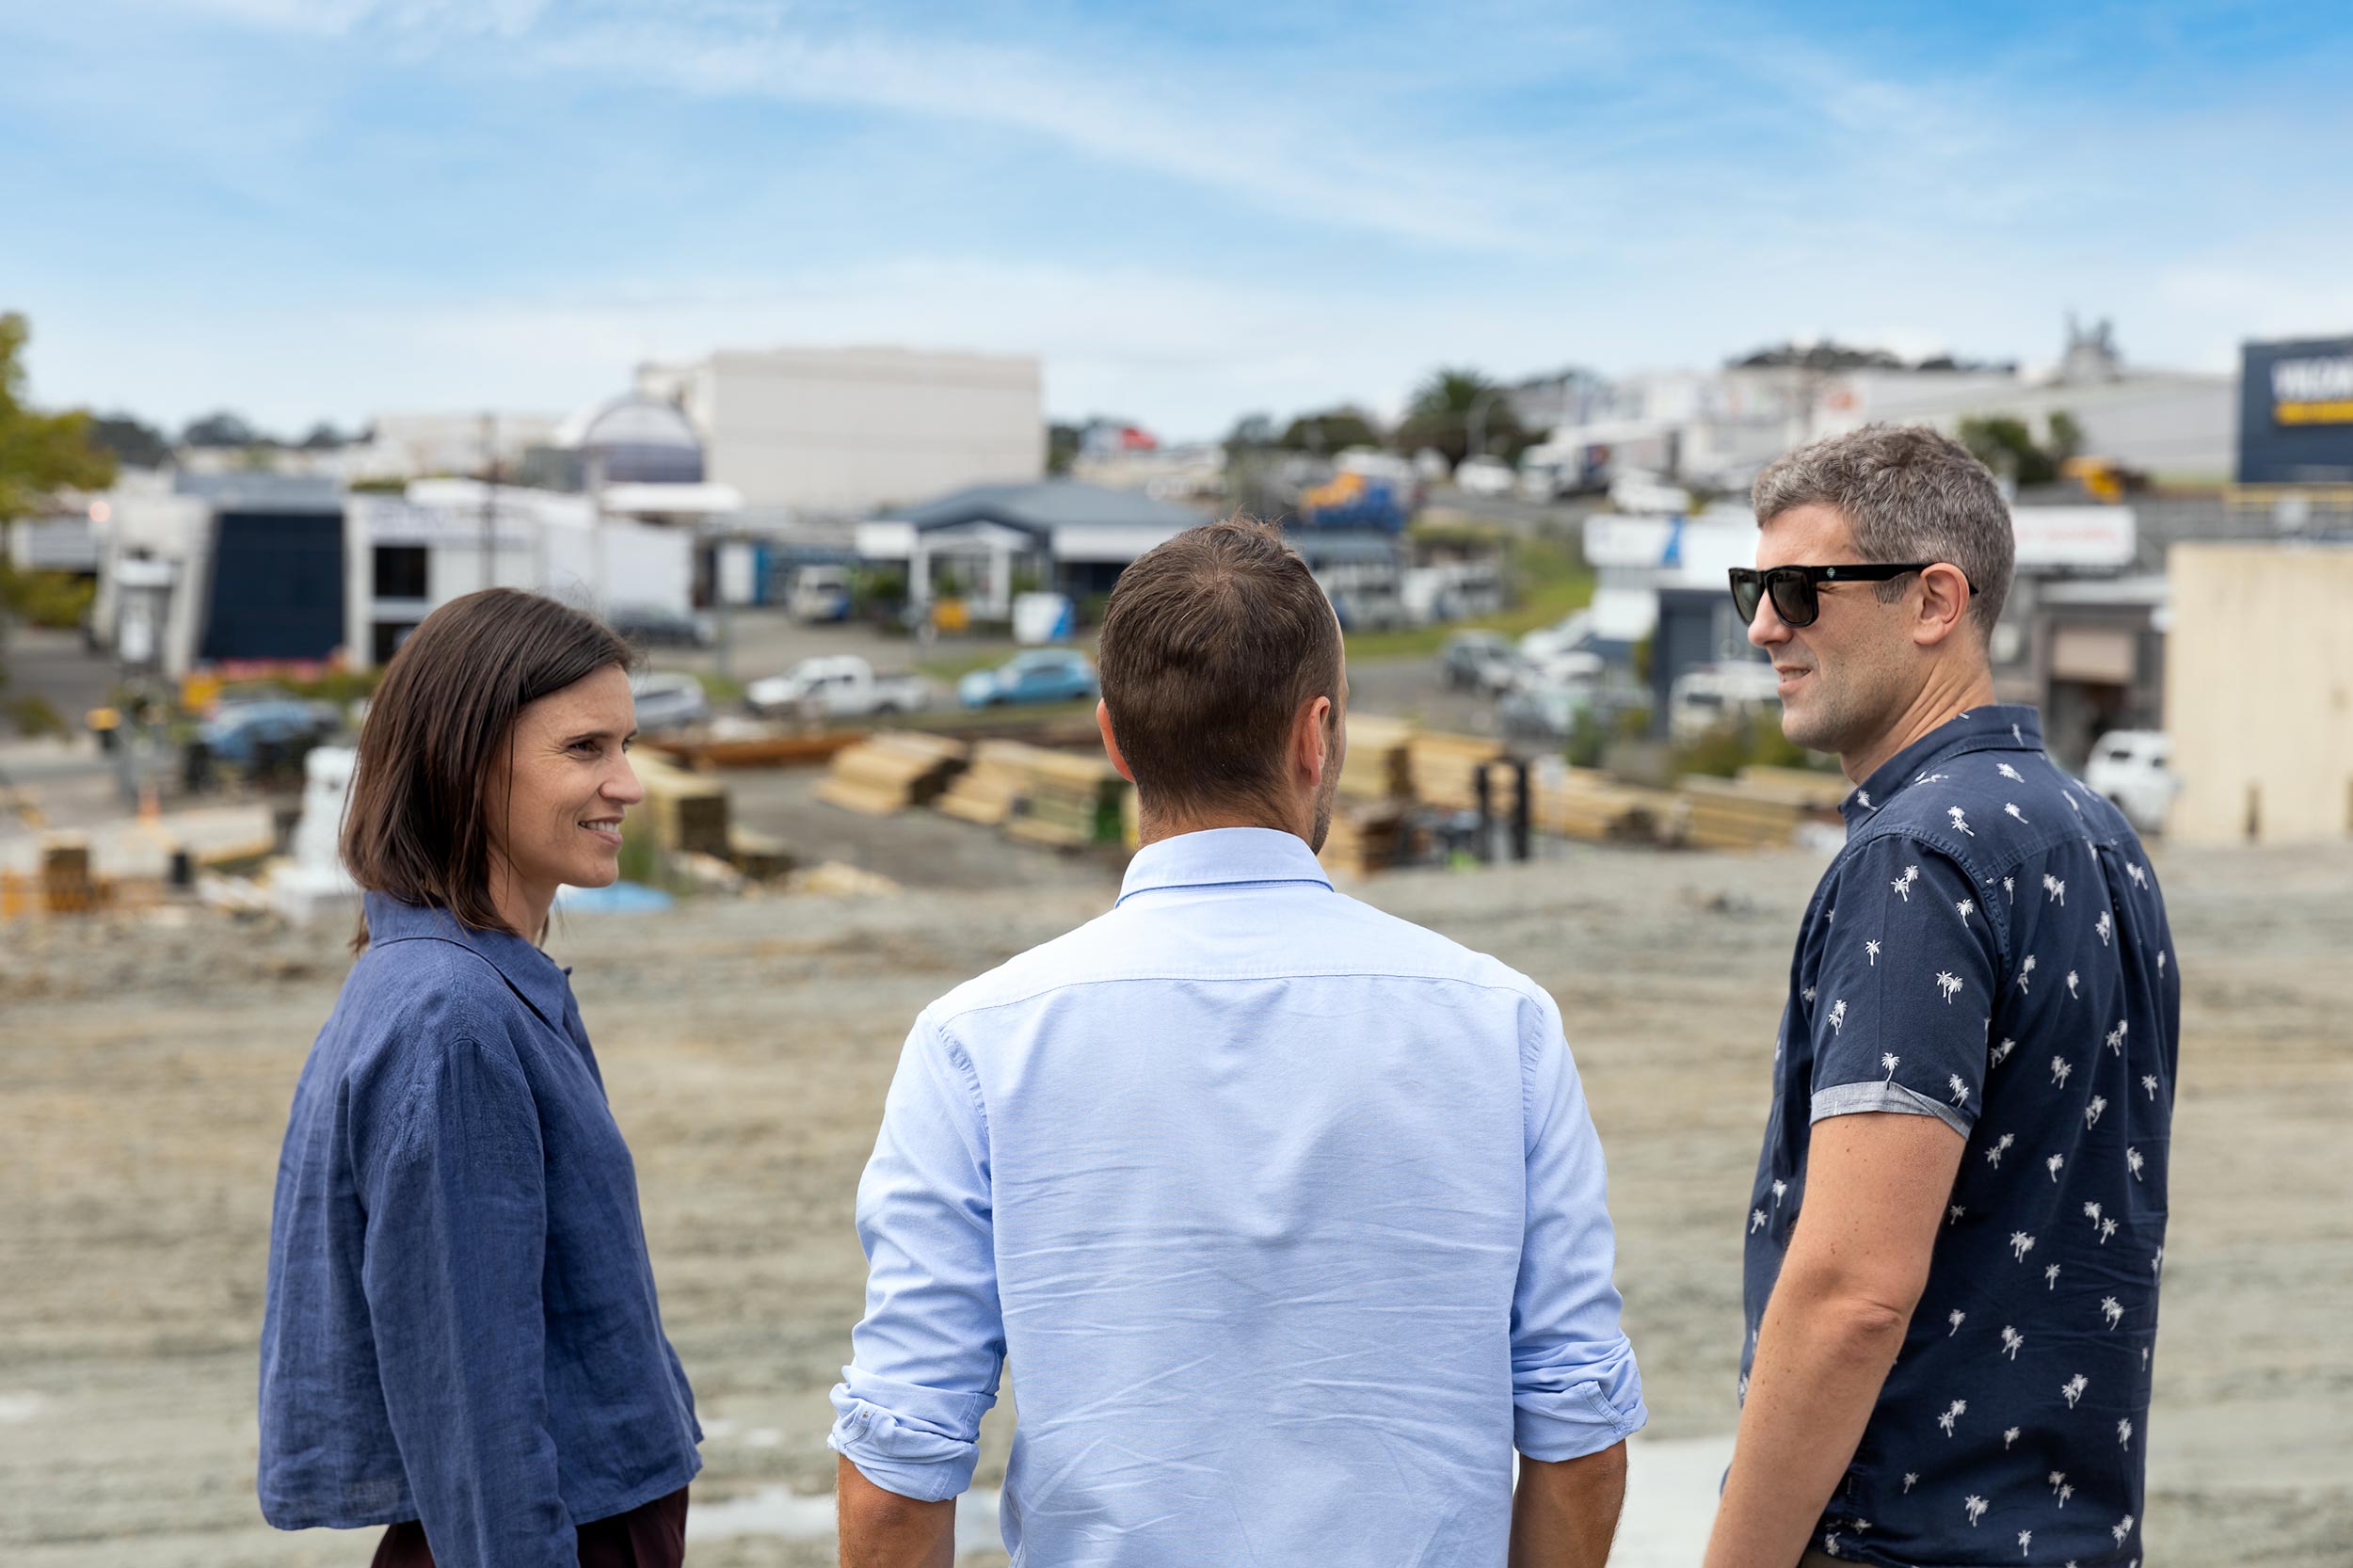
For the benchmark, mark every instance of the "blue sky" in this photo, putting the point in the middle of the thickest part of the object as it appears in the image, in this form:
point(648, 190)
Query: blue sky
point(330, 208)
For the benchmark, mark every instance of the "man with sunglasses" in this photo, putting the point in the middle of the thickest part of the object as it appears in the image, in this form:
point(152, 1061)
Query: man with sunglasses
point(1956, 1227)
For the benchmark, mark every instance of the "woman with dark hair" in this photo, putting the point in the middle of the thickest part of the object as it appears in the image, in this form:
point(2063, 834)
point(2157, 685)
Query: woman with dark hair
point(460, 1339)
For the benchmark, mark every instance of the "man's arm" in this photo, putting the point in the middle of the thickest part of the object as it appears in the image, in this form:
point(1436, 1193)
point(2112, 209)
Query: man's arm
point(1565, 1512)
point(1876, 1188)
point(882, 1529)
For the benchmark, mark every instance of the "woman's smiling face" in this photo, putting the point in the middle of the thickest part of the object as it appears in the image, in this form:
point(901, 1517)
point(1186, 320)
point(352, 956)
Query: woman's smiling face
point(567, 785)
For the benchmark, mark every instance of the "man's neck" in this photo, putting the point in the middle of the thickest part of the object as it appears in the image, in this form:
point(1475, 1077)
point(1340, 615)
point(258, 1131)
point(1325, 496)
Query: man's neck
point(1153, 826)
point(1940, 699)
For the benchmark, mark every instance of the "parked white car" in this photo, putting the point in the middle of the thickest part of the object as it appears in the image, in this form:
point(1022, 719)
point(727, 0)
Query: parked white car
point(835, 686)
point(668, 701)
point(1485, 476)
point(1709, 695)
point(2134, 768)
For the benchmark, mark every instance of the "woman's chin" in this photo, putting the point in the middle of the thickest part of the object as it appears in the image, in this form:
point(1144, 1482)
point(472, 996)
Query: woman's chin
point(597, 874)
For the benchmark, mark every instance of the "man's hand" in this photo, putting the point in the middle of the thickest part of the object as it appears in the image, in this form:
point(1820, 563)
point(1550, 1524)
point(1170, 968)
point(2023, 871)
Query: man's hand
point(1874, 1190)
point(882, 1529)
point(1566, 1510)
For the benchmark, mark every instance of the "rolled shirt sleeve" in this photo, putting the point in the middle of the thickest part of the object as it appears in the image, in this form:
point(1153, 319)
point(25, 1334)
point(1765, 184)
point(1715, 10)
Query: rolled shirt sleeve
point(1903, 995)
point(926, 1357)
point(454, 1182)
point(1576, 1389)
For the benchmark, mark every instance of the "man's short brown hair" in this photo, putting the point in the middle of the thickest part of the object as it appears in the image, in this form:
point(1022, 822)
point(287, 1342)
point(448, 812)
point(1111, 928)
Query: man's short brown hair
point(1211, 643)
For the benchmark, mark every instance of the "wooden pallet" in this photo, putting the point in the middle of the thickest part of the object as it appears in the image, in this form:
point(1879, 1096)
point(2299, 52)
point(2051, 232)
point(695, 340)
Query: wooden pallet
point(891, 772)
point(1821, 792)
point(1364, 837)
point(689, 812)
point(1378, 766)
point(1440, 768)
point(1727, 814)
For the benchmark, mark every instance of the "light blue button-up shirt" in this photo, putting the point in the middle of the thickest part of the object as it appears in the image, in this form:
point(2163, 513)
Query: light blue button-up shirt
point(1290, 1214)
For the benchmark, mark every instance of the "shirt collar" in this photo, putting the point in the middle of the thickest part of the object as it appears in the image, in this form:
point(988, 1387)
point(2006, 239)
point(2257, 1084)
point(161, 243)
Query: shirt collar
point(531, 973)
point(1996, 727)
point(1221, 857)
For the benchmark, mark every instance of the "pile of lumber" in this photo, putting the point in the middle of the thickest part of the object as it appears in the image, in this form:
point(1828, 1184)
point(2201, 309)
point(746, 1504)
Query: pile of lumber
point(986, 791)
point(1728, 814)
point(1070, 799)
point(1378, 766)
point(1441, 769)
point(1364, 837)
point(891, 772)
point(689, 812)
point(776, 749)
point(1819, 792)
point(1586, 803)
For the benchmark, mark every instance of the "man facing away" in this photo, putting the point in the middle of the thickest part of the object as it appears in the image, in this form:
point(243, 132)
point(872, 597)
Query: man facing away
point(1964, 1176)
point(1289, 1214)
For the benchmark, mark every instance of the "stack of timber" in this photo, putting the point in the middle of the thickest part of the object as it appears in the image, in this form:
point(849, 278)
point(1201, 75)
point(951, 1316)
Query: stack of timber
point(1817, 792)
point(1364, 837)
point(689, 812)
point(891, 772)
point(1378, 766)
point(1727, 814)
point(776, 749)
point(1587, 803)
point(1070, 799)
point(984, 792)
point(1441, 770)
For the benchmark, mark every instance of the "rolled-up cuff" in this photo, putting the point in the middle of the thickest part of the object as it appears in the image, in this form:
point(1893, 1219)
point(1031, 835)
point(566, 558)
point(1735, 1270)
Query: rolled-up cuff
point(919, 1443)
point(1568, 1411)
point(1851, 1099)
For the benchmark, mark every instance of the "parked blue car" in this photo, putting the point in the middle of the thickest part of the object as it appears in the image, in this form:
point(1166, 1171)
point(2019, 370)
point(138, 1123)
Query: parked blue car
point(242, 733)
point(1041, 674)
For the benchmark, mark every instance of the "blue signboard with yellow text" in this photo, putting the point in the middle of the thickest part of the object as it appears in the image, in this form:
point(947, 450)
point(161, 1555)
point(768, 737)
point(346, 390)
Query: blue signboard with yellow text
point(2296, 412)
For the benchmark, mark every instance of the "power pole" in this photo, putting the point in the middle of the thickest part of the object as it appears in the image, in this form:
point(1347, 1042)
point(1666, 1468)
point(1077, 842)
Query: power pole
point(490, 501)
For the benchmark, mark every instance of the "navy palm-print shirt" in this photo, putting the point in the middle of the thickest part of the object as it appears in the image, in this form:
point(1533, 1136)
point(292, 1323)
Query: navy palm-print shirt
point(1990, 948)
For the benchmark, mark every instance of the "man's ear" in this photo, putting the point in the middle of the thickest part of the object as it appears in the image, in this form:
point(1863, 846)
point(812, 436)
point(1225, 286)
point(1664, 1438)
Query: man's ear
point(1312, 737)
point(1943, 603)
point(1111, 742)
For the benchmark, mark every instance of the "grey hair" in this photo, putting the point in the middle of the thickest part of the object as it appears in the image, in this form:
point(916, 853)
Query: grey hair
point(1909, 494)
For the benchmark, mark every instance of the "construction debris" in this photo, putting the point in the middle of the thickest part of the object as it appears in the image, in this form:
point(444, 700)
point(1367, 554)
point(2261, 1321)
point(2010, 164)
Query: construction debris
point(893, 771)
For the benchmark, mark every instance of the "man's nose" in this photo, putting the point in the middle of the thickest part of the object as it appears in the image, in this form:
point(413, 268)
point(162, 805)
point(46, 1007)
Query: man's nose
point(1766, 628)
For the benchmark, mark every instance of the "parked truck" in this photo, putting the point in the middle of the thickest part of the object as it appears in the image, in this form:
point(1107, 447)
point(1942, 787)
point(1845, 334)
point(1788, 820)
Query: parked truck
point(837, 686)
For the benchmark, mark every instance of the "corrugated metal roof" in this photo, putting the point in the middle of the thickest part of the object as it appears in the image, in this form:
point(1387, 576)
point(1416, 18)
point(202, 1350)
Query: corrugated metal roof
point(1044, 506)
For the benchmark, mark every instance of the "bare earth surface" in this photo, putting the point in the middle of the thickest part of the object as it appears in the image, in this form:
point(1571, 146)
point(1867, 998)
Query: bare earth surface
point(145, 1072)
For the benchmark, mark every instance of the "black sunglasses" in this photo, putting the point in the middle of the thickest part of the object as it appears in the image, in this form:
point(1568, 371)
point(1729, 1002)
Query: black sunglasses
point(1797, 592)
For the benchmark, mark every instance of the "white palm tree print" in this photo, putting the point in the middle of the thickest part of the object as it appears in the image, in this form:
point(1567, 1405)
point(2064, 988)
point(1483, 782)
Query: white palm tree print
point(2160, 963)
point(2071, 983)
point(1837, 1020)
point(1956, 1211)
point(2050, 1277)
point(2124, 1526)
point(2012, 1340)
point(1958, 1087)
point(1960, 818)
point(2140, 878)
point(2058, 1479)
point(2025, 1538)
point(2012, 810)
point(1778, 1188)
point(2065, 1492)
point(2072, 804)
point(2112, 1310)
point(1953, 1412)
point(2001, 1052)
point(1756, 1223)
point(2021, 1244)
point(1862, 799)
point(2010, 888)
point(2026, 973)
point(2060, 1072)
point(1973, 1506)
point(2057, 888)
point(2073, 1388)
point(2009, 773)
point(1954, 1317)
point(1967, 906)
point(2116, 1036)
point(1903, 884)
point(1830, 1542)
point(2009, 1436)
point(2108, 1229)
point(2133, 1162)
point(1931, 778)
point(1999, 1147)
point(2017, 734)
point(2094, 1110)
point(2091, 1213)
point(2053, 1165)
point(2124, 1432)
point(1871, 950)
point(2149, 1082)
point(2157, 1262)
point(2103, 925)
point(1949, 983)
point(1912, 1479)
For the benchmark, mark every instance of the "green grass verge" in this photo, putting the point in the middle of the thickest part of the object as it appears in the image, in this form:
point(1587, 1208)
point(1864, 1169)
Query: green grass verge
point(1554, 582)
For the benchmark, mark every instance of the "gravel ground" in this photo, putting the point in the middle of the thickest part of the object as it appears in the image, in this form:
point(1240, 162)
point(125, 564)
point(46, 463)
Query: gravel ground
point(145, 1071)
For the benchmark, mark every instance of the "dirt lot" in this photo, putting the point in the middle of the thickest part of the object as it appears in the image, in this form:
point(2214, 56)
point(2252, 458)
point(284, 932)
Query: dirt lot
point(145, 1072)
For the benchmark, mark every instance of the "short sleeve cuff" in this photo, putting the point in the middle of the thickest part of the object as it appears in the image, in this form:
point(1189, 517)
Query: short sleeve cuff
point(1851, 1099)
point(927, 1448)
point(1568, 1411)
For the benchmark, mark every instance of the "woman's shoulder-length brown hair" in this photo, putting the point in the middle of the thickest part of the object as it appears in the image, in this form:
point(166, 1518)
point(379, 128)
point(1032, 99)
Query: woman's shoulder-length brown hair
point(417, 826)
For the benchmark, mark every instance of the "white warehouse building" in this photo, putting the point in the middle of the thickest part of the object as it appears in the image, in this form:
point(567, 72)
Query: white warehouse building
point(848, 430)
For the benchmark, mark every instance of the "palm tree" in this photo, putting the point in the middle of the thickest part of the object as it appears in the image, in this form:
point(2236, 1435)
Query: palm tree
point(2025, 1538)
point(1463, 414)
point(2073, 1388)
point(1949, 983)
point(2053, 1165)
point(2021, 1244)
point(2112, 1310)
point(2133, 1162)
point(2149, 1082)
point(1889, 1061)
point(1778, 1188)
point(1954, 1317)
point(2015, 812)
point(1959, 1088)
point(2012, 1341)
point(2050, 1277)
point(1871, 949)
point(1973, 1506)
point(2025, 971)
point(2092, 1111)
